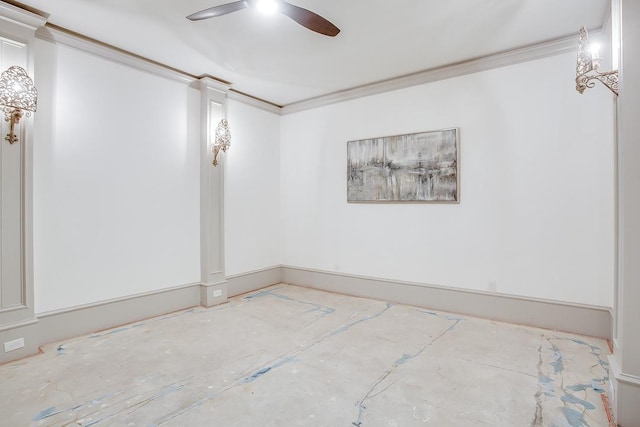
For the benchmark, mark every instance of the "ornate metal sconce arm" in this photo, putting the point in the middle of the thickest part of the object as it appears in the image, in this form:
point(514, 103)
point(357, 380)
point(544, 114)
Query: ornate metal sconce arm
point(222, 140)
point(13, 116)
point(216, 150)
point(609, 79)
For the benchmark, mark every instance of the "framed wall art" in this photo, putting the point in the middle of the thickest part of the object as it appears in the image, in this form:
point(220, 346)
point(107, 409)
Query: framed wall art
point(416, 168)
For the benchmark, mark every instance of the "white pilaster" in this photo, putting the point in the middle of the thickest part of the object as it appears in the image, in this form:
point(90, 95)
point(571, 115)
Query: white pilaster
point(625, 363)
point(17, 320)
point(214, 285)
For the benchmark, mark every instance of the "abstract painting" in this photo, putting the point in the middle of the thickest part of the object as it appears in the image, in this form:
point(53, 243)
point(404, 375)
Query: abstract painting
point(418, 167)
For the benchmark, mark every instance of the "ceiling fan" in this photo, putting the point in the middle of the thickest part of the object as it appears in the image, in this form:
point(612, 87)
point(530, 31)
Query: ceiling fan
point(302, 16)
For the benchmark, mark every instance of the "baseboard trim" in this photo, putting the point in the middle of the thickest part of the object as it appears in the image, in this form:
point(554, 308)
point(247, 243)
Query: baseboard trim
point(577, 318)
point(632, 380)
point(624, 394)
point(28, 331)
point(253, 280)
point(74, 321)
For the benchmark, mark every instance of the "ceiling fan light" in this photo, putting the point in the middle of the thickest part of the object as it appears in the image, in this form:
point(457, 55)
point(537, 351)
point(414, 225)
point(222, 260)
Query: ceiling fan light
point(267, 7)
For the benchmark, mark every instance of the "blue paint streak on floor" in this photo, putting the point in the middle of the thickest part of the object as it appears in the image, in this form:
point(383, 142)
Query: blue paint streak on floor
point(272, 292)
point(255, 376)
point(171, 389)
point(570, 398)
point(348, 326)
point(597, 384)
point(443, 316)
point(558, 365)
point(574, 418)
point(406, 358)
point(583, 387)
point(546, 385)
point(266, 370)
point(50, 412)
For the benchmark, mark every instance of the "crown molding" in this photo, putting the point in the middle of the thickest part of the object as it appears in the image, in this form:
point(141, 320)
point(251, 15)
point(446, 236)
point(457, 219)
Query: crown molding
point(253, 101)
point(215, 84)
point(59, 35)
point(502, 59)
point(555, 47)
point(22, 17)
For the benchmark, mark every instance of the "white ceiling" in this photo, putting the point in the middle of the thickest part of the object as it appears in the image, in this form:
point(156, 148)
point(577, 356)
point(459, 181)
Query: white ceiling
point(277, 60)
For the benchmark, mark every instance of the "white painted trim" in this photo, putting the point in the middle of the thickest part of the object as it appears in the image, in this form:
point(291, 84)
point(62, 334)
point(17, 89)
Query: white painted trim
point(28, 331)
point(50, 313)
point(18, 26)
point(213, 293)
point(541, 313)
point(621, 376)
point(21, 16)
point(258, 271)
point(503, 59)
point(58, 35)
point(212, 109)
point(70, 322)
point(207, 82)
point(253, 280)
point(624, 394)
point(61, 36)
point(21, 324)
point(255, 102)
point(84, 319)
point(607, 22)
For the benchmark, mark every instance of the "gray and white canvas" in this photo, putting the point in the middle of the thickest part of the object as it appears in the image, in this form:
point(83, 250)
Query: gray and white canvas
point(419, 167)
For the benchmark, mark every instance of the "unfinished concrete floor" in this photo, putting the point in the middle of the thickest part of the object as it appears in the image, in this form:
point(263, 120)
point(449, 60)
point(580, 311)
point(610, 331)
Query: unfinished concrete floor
point(291, 356)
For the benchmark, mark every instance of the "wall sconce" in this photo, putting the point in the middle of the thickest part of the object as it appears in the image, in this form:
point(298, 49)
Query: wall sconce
point(222, 140)
point(17, 94)
point(587, 66)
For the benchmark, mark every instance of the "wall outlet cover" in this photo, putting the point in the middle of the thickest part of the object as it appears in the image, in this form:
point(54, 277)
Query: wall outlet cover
point(13, 345)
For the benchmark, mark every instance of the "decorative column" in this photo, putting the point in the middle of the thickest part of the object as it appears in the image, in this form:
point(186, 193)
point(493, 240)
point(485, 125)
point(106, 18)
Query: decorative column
point(213, 289)
point(18, 324)
point(625, 362)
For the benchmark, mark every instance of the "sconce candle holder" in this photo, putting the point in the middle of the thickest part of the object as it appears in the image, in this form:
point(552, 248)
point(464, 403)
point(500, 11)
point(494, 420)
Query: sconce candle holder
point(587, 67)
point(222, 140)
point(17, 95)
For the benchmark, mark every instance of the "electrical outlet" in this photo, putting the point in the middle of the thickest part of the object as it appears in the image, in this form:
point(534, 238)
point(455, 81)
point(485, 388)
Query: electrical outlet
point(13, 345)
point(217, 293)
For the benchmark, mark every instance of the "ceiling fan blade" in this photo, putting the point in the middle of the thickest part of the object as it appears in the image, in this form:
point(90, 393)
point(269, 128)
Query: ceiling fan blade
point(220, 10)
point(308, 19)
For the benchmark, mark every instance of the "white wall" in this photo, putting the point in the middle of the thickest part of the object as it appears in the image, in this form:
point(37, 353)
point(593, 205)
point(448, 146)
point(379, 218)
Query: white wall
point(536, 211)
point(252, 190)
point(116, 180)
point(116, 185)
